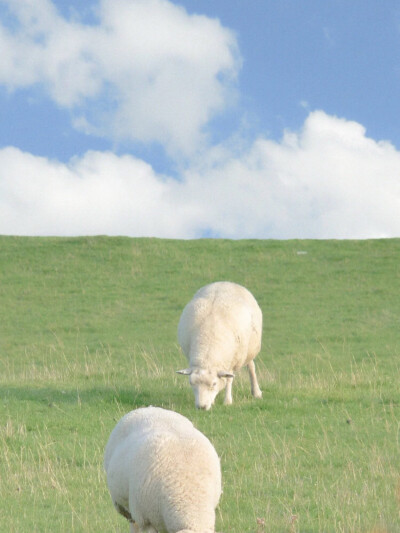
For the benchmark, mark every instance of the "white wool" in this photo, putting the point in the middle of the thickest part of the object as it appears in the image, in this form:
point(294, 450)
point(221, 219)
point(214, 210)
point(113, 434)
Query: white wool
point(162, 472)
point(220, 331)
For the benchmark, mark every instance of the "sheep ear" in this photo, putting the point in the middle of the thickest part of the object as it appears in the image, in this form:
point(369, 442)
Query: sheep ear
point(222, 374)
point(185, 372)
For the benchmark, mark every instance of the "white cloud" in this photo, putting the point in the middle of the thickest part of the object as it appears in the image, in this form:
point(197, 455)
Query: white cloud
point(148, 71)
point(98, 193)
point(327, 181)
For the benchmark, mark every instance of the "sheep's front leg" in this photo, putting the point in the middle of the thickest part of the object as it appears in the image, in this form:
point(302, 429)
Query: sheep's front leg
point(255, 389)
point(228, 391)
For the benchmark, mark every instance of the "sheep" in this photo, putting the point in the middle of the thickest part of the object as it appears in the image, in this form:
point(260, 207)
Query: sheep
point(220, 331)
point(163, 474)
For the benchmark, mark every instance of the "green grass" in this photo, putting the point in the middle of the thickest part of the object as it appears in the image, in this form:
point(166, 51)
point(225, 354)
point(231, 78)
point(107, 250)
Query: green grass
point(88, 332)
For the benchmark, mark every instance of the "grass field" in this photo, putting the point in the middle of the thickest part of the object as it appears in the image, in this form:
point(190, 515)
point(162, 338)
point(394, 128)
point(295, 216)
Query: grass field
point(88, 332)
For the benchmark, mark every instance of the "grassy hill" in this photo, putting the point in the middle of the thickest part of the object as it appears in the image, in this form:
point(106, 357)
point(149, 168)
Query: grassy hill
point(88, 332)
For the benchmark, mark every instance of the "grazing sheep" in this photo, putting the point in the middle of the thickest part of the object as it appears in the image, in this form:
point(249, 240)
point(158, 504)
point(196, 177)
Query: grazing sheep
point(162, 473)
point(219, 332)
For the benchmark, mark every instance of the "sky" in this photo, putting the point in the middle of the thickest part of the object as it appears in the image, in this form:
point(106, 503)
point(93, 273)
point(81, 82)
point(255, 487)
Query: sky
point(200, 118)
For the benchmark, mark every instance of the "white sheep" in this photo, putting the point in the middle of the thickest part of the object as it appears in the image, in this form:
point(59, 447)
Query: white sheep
point(219, 332)
point(162, 473)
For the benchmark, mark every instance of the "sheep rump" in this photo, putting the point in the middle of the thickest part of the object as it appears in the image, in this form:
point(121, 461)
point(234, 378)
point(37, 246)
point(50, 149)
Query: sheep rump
point(162, 473)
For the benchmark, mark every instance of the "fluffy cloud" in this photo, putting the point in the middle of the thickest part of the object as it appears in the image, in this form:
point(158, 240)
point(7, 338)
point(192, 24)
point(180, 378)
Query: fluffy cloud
point(328, 180)
point(98, 193)
point(147, 71)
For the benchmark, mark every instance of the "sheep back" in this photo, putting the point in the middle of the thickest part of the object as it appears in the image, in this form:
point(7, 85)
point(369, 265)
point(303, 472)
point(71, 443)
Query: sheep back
point(162, 471)
point(221, 327)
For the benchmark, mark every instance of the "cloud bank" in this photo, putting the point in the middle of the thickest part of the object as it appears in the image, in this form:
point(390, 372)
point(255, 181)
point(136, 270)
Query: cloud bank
point(147, 71)
point(329, 180)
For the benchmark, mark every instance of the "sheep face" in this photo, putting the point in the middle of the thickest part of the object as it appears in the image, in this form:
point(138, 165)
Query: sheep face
point(206, 384)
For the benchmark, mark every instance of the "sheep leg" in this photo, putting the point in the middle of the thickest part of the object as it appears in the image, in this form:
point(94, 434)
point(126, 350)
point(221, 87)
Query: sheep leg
point(255, 389)
point(228, 391)
point(134, 528)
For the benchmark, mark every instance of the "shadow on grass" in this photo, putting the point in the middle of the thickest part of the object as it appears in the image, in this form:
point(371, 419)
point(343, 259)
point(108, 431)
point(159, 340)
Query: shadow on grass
point(127, 397)
point(175, 398)
point(51, 396)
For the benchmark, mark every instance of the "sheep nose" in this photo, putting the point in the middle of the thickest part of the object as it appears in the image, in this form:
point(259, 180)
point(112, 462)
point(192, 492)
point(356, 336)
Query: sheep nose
point(204, 407)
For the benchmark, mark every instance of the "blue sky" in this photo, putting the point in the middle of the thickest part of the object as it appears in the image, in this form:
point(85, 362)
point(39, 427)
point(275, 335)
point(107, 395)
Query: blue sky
point(183, 119)
point(337, 55)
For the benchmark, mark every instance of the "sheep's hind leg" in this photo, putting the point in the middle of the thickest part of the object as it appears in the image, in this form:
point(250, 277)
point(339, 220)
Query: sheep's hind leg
point(134, 528)
point(228, 391)
point(147, 529)
point(255, 389)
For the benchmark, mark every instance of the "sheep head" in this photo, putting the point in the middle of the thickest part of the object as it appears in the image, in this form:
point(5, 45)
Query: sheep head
point(206, 384)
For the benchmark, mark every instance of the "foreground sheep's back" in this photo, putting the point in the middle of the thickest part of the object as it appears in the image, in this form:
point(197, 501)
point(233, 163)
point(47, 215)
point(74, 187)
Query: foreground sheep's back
point(163, 471)
point(143, 420)
point(185, 481)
